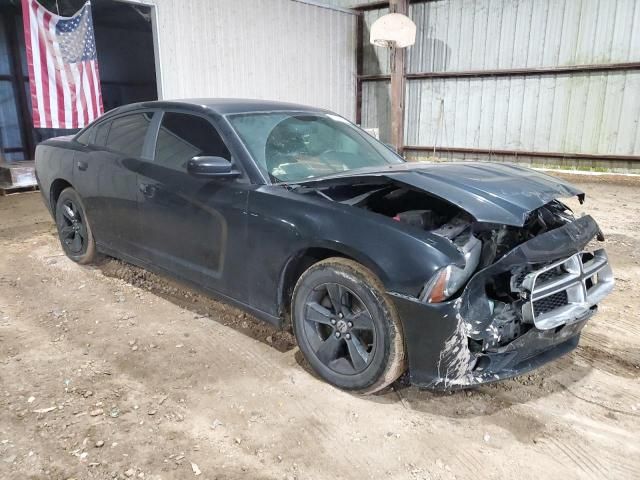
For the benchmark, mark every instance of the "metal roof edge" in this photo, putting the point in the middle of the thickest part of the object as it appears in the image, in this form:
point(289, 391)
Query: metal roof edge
point(319, 4)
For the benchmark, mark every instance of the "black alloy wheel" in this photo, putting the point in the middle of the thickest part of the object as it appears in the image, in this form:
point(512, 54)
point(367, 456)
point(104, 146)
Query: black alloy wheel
point(339, 328)
point(74, 230)
point(347, 327)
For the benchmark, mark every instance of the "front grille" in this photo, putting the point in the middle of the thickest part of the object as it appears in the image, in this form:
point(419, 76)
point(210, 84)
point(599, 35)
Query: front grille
point(545, 276)
point(564, 291)
point(547, 304)
point(518, 278)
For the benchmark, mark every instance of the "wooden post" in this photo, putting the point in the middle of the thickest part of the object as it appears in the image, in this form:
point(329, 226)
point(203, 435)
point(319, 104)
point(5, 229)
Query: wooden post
point(359, 65)
point(398, 83)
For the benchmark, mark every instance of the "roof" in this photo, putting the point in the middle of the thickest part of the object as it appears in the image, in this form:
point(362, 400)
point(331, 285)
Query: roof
point(221, 106)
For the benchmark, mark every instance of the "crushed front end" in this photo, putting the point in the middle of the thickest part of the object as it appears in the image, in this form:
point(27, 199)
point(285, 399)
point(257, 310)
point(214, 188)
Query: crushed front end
point(523, 306)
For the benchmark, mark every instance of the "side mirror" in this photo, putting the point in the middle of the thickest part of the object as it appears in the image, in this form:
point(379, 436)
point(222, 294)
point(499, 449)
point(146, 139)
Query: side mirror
point(211, 167)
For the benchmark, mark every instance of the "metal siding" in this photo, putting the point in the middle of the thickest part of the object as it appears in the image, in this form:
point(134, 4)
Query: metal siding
point(375, 60)
point(582, 112)
point(267, 49)
point(376, 100)
point(586, 112)
point(456, 35)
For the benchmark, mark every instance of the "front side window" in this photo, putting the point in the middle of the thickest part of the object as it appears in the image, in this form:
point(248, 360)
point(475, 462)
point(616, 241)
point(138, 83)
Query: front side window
point(293, 147)
point(127, 134)
point(86, 137)
point(183, 136)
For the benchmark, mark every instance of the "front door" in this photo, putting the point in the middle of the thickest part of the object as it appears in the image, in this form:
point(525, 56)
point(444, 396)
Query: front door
point(193, 227)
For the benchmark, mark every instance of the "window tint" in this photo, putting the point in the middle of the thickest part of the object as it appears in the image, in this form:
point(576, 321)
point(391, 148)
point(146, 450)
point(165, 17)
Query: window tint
point(127, 133)
point(183, 136)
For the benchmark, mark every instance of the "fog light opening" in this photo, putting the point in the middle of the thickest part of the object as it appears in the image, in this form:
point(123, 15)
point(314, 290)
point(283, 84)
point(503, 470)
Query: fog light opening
point(482, 363)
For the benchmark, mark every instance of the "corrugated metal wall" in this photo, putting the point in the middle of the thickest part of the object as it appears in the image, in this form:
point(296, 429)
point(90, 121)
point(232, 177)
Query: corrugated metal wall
point(586, 112)
point(376, 96)
point(269, 49)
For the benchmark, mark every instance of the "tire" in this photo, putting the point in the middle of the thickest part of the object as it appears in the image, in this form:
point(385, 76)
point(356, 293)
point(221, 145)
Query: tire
point(74, 229)
point(346, 326)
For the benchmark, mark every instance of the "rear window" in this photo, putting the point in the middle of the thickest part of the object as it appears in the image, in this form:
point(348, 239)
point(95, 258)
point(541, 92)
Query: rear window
point(127, 134)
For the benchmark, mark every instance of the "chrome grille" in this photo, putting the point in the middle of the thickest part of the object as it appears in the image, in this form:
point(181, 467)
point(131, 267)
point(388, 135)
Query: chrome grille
point(564, 291)
point(550, 303)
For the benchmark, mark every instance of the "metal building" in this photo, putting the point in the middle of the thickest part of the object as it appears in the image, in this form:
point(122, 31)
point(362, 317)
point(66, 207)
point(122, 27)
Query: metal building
point(291, 50)
point(545, 82)
point(273, 49)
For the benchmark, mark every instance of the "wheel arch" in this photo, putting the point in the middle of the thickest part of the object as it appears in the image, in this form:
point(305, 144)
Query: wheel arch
point(300, 261)
point(57, 187)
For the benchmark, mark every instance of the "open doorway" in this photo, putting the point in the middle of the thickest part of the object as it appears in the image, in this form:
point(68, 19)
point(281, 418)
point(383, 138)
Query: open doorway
point(125, 46)
point(124, 33)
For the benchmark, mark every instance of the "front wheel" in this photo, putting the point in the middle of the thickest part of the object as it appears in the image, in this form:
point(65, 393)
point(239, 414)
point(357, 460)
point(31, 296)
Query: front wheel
point(74, 230)
point(346, 326)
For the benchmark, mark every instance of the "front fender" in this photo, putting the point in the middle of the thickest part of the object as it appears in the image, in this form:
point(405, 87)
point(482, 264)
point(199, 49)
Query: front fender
point(284, 224)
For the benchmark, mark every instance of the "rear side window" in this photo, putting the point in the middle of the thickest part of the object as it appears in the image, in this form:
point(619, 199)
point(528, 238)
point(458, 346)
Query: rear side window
point(183, 136)
point(127, 134)
point(102, 131)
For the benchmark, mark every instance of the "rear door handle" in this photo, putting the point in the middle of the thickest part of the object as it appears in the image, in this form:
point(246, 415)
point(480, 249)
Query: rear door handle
point(82, 165)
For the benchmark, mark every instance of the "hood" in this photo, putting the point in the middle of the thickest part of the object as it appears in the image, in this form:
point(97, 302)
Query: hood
point(490, 192)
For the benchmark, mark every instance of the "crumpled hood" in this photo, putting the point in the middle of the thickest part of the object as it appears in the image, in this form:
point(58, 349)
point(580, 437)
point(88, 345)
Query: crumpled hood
point(490, 192)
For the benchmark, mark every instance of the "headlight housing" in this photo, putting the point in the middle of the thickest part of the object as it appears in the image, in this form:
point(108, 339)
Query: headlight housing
point(448, 280)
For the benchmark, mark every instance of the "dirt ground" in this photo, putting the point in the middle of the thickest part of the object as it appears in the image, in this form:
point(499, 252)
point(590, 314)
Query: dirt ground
point(111, 372)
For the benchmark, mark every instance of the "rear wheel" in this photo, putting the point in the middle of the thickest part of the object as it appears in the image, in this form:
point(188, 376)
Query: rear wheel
point(74, 230)
point(346, 326)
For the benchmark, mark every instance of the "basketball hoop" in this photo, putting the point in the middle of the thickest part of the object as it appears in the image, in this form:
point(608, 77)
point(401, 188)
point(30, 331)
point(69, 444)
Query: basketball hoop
point(393, 30)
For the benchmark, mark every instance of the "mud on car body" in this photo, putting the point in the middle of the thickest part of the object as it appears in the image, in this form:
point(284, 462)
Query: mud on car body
point(464, 273)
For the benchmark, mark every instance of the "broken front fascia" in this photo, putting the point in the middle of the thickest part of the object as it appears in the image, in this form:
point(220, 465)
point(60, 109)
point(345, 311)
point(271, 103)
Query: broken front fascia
point(437, 335)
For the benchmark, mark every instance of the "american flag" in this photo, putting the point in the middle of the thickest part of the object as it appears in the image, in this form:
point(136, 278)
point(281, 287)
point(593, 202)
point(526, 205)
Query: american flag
point(63, 67)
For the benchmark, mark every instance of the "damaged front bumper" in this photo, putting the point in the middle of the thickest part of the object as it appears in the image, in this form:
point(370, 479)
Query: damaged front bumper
point(477, 339)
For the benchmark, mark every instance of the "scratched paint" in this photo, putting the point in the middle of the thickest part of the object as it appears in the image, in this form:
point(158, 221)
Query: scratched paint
point(456, 360)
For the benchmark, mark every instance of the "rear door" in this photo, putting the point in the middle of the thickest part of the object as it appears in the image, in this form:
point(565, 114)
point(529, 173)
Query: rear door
point(193, 227)
point(107, 172)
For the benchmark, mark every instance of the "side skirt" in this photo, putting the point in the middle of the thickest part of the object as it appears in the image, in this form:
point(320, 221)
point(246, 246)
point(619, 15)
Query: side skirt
point(264, 316)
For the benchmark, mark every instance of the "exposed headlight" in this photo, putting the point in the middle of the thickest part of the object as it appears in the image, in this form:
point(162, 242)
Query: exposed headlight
point(448, 280)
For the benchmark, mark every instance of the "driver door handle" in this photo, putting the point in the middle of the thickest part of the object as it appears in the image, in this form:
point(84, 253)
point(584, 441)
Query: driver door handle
point(147, 190)
point(82, 165)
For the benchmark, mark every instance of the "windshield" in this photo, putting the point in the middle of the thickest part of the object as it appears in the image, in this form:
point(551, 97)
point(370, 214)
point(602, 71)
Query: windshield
point(292, 147)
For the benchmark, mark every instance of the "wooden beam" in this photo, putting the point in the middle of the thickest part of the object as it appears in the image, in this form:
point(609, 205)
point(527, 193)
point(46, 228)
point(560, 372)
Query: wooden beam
point(359, 65)
point(512, 72)
point(398, 83)
point(363, 7)
point(522, 153)
point(379, 5)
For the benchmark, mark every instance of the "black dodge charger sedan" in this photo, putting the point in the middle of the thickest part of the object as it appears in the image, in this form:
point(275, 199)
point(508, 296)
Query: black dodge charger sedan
point(464, 273)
